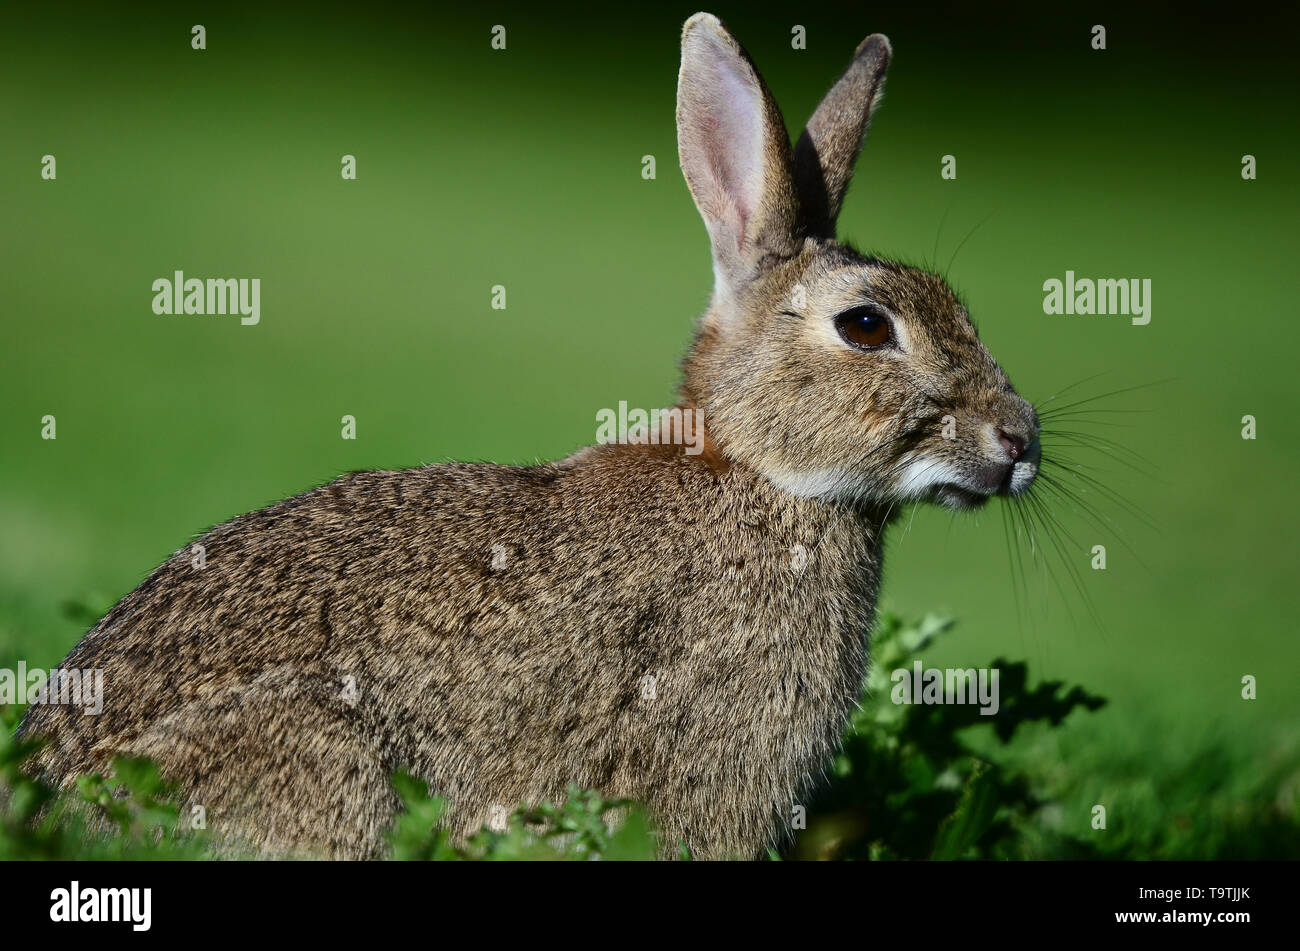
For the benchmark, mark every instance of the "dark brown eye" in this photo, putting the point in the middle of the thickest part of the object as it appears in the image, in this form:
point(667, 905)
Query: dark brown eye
point(864, 327)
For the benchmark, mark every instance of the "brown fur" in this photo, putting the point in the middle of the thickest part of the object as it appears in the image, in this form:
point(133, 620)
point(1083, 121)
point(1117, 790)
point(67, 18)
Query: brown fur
point(743, 580)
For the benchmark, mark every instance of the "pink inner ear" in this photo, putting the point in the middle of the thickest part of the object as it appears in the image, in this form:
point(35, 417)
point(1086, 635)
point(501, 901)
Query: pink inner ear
point(729, 137)
point(740, 163)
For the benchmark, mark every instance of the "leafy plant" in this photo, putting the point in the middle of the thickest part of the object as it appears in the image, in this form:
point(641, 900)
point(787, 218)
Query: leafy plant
point(906, 784)
point(578, 829)
point(127, 816)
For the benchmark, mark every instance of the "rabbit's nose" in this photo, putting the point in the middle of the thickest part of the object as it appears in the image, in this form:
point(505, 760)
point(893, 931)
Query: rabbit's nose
point(1013, 444)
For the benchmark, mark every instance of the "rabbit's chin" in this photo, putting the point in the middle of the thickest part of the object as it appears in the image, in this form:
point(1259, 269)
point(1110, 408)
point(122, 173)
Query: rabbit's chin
point(959, 497)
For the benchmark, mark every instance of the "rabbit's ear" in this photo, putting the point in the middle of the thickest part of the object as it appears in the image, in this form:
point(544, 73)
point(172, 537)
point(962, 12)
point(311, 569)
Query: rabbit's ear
point(735, 153)
point(827, 150)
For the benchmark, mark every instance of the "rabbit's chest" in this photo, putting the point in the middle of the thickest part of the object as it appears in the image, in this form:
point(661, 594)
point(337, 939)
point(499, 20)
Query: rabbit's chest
point(778, 628)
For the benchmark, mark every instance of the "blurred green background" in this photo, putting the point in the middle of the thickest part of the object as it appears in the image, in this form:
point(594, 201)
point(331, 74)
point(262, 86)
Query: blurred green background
point(522, 167)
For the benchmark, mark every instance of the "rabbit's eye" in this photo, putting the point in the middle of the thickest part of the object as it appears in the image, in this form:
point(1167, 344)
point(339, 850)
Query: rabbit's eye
point(864, 327)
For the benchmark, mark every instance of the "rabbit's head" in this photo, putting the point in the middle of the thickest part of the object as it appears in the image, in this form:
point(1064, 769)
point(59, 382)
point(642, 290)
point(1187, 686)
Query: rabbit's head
point(832, 374)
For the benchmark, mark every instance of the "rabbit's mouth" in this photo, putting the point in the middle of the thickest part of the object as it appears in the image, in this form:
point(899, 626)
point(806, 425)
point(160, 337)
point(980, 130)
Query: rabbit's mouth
point(1005, 480)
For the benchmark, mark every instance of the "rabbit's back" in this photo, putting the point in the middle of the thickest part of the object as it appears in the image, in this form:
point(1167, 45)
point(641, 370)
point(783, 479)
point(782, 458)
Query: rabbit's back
point(631, 620)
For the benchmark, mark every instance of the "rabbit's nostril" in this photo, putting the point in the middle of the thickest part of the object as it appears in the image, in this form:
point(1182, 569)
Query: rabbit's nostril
point(1014, 445)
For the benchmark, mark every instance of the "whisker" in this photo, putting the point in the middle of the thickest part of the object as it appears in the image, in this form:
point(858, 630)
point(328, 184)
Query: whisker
point(1101, 488)
point(962, 244)
point(1119, 392)
point(1108, 447)
point(1062, 392)
point(1058, 534)
point(934, 255)
point(1096, 519)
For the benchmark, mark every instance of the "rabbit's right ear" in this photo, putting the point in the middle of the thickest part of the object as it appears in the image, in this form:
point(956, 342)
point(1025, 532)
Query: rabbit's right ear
point(735, 153)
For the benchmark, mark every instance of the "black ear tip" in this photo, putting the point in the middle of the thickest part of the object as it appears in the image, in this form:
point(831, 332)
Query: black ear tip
point(876, 46)
point(701, 19)
point(705, 24)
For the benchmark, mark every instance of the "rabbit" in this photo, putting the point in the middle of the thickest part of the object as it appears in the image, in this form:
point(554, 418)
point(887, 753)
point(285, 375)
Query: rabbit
point(684, 629)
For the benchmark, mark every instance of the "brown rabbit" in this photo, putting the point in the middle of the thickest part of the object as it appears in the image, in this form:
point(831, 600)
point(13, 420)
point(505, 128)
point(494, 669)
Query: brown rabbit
point(686, 629)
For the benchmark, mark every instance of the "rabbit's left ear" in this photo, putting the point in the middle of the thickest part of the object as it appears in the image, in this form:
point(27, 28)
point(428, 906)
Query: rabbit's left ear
point(828, 149)
point(735, 154)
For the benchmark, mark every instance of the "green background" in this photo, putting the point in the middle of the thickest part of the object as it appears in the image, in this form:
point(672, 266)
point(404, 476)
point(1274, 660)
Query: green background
point(523, 168)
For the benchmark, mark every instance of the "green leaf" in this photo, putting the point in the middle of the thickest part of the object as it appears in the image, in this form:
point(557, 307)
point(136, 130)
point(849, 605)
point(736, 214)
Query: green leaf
point(974, 814)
